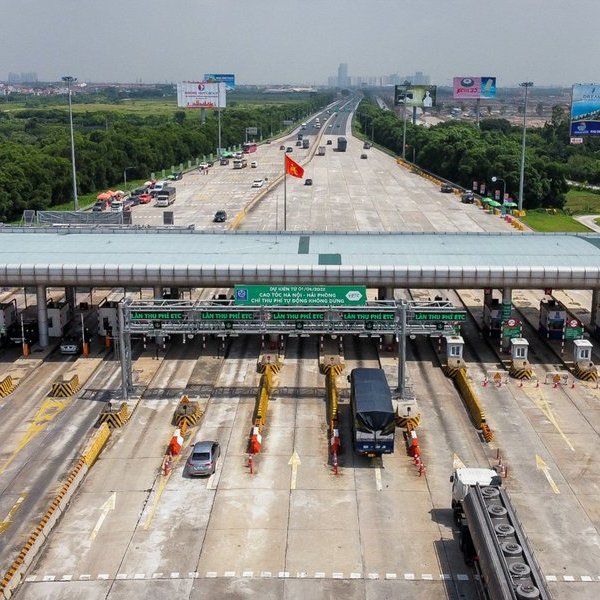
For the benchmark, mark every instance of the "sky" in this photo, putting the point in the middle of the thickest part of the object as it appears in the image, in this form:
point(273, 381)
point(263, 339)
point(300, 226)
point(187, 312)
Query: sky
point(301, 42)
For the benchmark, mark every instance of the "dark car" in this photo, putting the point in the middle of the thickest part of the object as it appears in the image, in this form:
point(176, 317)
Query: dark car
point(363, 155)
point(282, 147)
point(329, 142)
point(220, 217)
point(308, 181)
point(100, 206)
point(203, 459)
point(139, 191)
point(468, 198)
point(446, 188)
point(366, 146)
point(224, 161)
point(298, 143)
point(289, 149)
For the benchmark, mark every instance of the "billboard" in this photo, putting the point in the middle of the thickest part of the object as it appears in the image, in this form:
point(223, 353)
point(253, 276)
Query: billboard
point(227, 78)
point(474, 87)
point(201, 94)
point(585, 109)
point(422, 96)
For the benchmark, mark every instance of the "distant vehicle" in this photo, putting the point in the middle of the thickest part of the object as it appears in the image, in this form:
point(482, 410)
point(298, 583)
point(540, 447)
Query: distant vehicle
point(321, 151)
point(249, 147)
point(224, 161)
point(299, 136)
point(240, 163)
point(468, 198)
point(140, 190)
point(116, 206)
point(203, 165)
point(100, 206)
point(308, 181)
point(70, 345)
point(258, 183)
point(144, 198)
point(303, 126)
point(166, 197)
point(305, 143)
point(373, 416)
point(446, 188)
point(329, 142)
point(299, 143)
point(253, 164)
point(363, 155)
point(366, 146)
point(158, 187)
point(203, 459)
point(318, 126)
point(238, 155)
point(282, 147)
point(289, 149)
point(220, 217)
point(175, 176)
point(342, 142)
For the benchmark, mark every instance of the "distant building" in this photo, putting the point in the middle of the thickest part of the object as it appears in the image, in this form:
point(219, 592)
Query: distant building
point(343, 79)
point(22, 77)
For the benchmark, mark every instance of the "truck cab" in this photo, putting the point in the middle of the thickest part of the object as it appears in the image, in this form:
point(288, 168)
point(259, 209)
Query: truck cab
point(464, 479)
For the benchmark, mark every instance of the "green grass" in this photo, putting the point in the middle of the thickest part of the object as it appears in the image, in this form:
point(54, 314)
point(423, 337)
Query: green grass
point(582, 202)
point(540, 220)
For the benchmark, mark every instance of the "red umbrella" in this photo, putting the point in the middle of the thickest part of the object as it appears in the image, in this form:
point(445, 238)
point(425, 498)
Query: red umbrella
point(103, 196)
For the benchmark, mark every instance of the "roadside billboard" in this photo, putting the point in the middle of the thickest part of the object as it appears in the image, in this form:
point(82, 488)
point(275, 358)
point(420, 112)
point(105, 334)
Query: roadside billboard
point(201, 94)
point(474, 87)
point(585, 109)
point(422, 96)
point(227, 78)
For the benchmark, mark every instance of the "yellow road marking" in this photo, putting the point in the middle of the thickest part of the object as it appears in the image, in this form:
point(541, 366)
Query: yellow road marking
point(295, 463)
point(457, 463)
point(542, 466)
point(49, 409)
point(5, 524)
point(106, 508)
point(378, 479)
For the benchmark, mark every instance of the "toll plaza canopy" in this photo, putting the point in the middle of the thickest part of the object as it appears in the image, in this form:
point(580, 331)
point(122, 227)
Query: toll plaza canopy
point(178, 257)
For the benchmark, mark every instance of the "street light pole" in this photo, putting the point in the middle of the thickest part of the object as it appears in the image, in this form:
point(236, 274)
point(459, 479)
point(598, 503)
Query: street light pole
point(68, 79)
point(125, 176)
point(494, 179)
point(526, 85)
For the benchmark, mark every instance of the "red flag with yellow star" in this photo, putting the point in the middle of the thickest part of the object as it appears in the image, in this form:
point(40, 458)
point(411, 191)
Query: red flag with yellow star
point(293, 168)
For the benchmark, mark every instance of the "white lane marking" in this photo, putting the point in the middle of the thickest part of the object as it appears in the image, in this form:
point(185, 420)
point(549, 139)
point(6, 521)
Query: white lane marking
point(175, 575)
point(49, 578)
point(301, 574)
point(247, 573)
point(121, 575)
point(319, 575)
point(211, 574)
point(355, 575)
point(568, 578)
point(462, 577)
point(586, 578)
point(193, 574)
point(229, 574)
point(295, 463)
point(106, 508)
point(31, 578)
point(372, 575)
point(86, 577)
point(390, 575)
point(409, 575)
point(445, 576)
point(338, 576)
point(378, 479)
point(139, 576)
point(427, 576)
point(283, 574)
point(551, 577)
point(265, 574)
point(157, 575)
point(66, 578)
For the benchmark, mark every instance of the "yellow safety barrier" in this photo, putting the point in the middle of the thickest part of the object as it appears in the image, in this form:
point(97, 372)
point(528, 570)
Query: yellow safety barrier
point(335, 368)
point(115, 417)
point(586, 372)
point(405, 422)
point(520, 371)
point(64, 388)
point(95, 444)
point(7, 386)
point(472, 403)
point(332, 396)
point(266, 365)
point(187, 413)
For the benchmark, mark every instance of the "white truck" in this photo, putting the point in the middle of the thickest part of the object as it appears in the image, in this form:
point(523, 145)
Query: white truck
point(463, 480)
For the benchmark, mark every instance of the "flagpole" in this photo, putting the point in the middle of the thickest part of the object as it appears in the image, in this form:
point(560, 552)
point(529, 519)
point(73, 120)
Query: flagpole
point(284, 195)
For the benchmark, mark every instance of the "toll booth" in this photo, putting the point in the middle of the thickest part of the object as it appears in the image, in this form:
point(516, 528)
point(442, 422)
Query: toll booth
point(59, 315)
point(454, 355)
point(492, 317)
point(582, 356)
point(553, 317)
point(108, 317)
point(519, 364)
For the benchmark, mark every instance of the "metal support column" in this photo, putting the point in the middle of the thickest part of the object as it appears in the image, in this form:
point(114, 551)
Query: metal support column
point(70, 297)
point(506, 313)
point(124, 354)
point(42, 311)
point(158, 291)
point(401, 333)
point(594, 308)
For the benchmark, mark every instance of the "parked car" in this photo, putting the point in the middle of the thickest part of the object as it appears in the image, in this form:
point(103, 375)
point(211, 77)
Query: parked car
point(258, 183)
point(468, 198)
point(175, 176)
point(100, 206)
point(70, 345)
point(139, 191)
point(145, 198)
point(220, 217)
point(203, 459)
point(308, 181)
point(446, 188)
point(116, 206)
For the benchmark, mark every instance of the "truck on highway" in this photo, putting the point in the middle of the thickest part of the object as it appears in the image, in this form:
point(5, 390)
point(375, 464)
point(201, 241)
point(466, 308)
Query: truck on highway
point(492, 539)
point(166, 197)
point(321, 151)
point(240, 163)
point(373, 415)
point(342, 142)
point(305, 142)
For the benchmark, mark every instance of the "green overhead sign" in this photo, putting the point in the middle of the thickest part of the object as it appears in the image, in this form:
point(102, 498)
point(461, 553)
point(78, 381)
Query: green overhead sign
point(300, 295)
point(436, 316)
point(157, 315)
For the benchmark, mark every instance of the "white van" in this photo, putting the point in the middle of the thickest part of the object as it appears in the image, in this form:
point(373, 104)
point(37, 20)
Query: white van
point(159, 186)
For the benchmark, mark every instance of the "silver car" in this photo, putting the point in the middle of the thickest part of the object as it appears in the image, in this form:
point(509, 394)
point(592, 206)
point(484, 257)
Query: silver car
point(203, 459)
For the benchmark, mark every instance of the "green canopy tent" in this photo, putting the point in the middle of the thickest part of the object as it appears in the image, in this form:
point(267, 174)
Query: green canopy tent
point(510, 204)
point(486, 200)
point(494, 204)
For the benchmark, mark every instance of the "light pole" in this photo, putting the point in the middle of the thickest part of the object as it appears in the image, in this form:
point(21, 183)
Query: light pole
point(125, 175)
point(526, 85)
point(494, 179)
point(68, 79)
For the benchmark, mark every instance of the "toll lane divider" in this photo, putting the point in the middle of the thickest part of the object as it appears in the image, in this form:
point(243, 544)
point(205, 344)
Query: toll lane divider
point(473, 404)
point(265, 388)
point(16, 572)
point(7, 386)
point(332, 370)
point(115, 417)
point(63, 388)
point(188, 412)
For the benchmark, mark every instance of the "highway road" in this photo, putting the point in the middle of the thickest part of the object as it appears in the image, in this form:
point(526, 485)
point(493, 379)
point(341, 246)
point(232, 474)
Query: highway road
point(292, 528)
